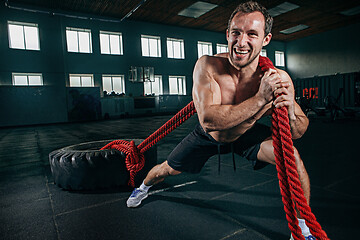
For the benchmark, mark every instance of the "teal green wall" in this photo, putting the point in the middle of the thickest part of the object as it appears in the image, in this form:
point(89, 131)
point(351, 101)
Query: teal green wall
point(55, 63)
point(331, 52)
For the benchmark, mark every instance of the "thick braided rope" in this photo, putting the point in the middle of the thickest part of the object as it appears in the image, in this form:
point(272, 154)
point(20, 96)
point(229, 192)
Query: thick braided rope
point(287, 172)
point(168, 127)
point(289, 207)
point(293, 177)
point(135, 160)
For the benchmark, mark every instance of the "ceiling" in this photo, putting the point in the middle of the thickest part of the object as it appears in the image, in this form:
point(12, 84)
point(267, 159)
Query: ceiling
point(319, 15)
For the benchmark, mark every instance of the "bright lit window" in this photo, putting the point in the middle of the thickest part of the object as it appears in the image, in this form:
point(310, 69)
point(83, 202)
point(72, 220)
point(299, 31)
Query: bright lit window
point(78, 40)
point(27, 79)
point(113, 83)
point(204, 48)
point(221, 48)
point(155, 87)
point(23, 36)
point(111, 43)
point(263, 53)
point(81, 80)
point(177, 85)
point(150, 46)
point(175, 48)
point(279, 59)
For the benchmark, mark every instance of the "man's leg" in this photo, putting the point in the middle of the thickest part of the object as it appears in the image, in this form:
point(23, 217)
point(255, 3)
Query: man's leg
point(156, 175)
point(189, 155)
point(266, 154)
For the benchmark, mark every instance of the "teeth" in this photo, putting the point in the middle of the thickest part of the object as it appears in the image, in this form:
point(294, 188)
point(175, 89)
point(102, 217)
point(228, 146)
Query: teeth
point(241, 52)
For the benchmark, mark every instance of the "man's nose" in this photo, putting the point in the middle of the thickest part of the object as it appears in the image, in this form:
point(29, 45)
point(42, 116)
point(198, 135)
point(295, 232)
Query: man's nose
point(242, 40)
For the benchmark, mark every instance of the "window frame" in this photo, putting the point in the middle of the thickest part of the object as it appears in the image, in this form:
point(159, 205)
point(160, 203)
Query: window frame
point(220, 46)
point(282, 58)
point(161, 92)
point(27, 79)
point(147, 37)
point(182, 48)
point(77, 30)
point(122, 83)
point(82, 75)
point(183, 85)
point(209, 44)
point(23, 25)
point(121, 47)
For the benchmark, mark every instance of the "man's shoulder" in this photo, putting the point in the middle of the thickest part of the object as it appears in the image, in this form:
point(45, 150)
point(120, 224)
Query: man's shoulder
point(213, 62)
point(283, 73)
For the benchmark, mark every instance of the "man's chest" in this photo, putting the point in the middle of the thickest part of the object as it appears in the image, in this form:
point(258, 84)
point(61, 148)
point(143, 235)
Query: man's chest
point(236, 92)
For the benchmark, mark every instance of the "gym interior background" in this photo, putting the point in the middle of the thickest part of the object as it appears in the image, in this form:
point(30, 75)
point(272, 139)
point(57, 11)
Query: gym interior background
point(85, 89)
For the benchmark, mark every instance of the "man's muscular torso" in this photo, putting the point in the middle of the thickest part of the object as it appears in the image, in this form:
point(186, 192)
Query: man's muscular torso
point(230, 88)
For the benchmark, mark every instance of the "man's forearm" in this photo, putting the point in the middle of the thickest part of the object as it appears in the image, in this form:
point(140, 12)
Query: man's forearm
point(222, 117)
point(298, 125)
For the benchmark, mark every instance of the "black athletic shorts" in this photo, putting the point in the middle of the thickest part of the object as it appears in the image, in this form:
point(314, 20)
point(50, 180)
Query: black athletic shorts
point(195, 149)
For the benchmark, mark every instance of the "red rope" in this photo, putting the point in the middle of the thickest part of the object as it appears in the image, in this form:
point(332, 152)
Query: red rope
point(290, 186)
point(135, 160)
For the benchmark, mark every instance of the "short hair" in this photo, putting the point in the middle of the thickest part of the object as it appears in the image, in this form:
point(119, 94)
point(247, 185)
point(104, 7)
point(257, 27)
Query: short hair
point(249, 7)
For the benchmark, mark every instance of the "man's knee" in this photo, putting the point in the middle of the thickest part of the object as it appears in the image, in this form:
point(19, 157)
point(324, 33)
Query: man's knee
point(166, 170)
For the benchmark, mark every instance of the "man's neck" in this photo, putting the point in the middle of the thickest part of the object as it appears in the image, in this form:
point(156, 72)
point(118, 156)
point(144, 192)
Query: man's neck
point(246, 73)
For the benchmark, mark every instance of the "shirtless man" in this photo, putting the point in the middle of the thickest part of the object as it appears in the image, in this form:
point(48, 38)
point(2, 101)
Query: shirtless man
point(231, 94)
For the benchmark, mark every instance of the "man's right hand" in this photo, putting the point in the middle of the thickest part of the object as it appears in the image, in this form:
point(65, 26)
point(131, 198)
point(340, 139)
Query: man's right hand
point(269, 83)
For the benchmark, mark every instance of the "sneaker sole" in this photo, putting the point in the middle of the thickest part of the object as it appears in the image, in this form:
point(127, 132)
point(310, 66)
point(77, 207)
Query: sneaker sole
point(134, 206)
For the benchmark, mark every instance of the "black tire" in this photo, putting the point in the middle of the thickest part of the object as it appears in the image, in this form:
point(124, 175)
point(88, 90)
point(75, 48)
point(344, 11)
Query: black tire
point(85, 167)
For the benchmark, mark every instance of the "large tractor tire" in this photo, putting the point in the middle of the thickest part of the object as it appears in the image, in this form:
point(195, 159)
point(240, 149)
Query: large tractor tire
point(85, 167)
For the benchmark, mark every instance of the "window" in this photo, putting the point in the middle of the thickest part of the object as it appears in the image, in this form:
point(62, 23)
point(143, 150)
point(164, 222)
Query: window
point(113, 83)
point(177, 85)
point(279, 59)
point(204, 48)
point(24, 36)
point(175, 48)
point(27, 79)
point(78, 40)
point(111, 43)
point(155, 87)
point(150, 46)
point(221, 48)
point(81, 80)
point(263, 53)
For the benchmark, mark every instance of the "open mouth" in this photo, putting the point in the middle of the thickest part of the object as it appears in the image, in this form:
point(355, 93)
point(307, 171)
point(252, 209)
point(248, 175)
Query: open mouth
point(241, 52)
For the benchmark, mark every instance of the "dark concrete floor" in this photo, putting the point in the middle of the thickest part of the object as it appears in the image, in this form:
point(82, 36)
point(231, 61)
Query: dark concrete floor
point(245, 204)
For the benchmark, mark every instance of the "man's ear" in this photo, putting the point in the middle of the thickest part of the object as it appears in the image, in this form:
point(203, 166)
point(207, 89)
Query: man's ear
point(267, 40)
point(227, 34)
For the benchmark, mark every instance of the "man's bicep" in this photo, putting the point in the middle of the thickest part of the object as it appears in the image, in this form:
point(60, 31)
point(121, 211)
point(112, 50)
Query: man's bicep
point(203, 93)
point(205, 87)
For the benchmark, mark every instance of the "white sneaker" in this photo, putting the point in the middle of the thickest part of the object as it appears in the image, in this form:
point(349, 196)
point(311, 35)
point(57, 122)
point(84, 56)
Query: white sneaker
point(136, 197)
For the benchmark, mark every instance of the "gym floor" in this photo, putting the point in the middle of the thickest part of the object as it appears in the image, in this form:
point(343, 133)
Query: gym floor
point(245, 204)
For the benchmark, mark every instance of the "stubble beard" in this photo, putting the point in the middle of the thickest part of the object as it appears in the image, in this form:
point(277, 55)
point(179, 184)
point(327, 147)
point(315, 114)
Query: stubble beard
point(237, 65)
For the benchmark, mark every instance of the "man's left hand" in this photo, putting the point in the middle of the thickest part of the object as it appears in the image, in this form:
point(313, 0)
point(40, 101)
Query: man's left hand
point(285, 97)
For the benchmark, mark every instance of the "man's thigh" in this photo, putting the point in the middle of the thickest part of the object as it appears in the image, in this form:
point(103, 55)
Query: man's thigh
point(192, 152)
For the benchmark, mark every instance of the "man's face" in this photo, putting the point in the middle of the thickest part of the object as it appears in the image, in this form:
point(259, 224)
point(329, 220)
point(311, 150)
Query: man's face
point(246, 37)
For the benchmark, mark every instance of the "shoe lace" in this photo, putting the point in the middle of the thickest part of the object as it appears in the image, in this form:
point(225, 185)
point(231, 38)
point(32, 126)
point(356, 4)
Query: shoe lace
point(135, 192)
